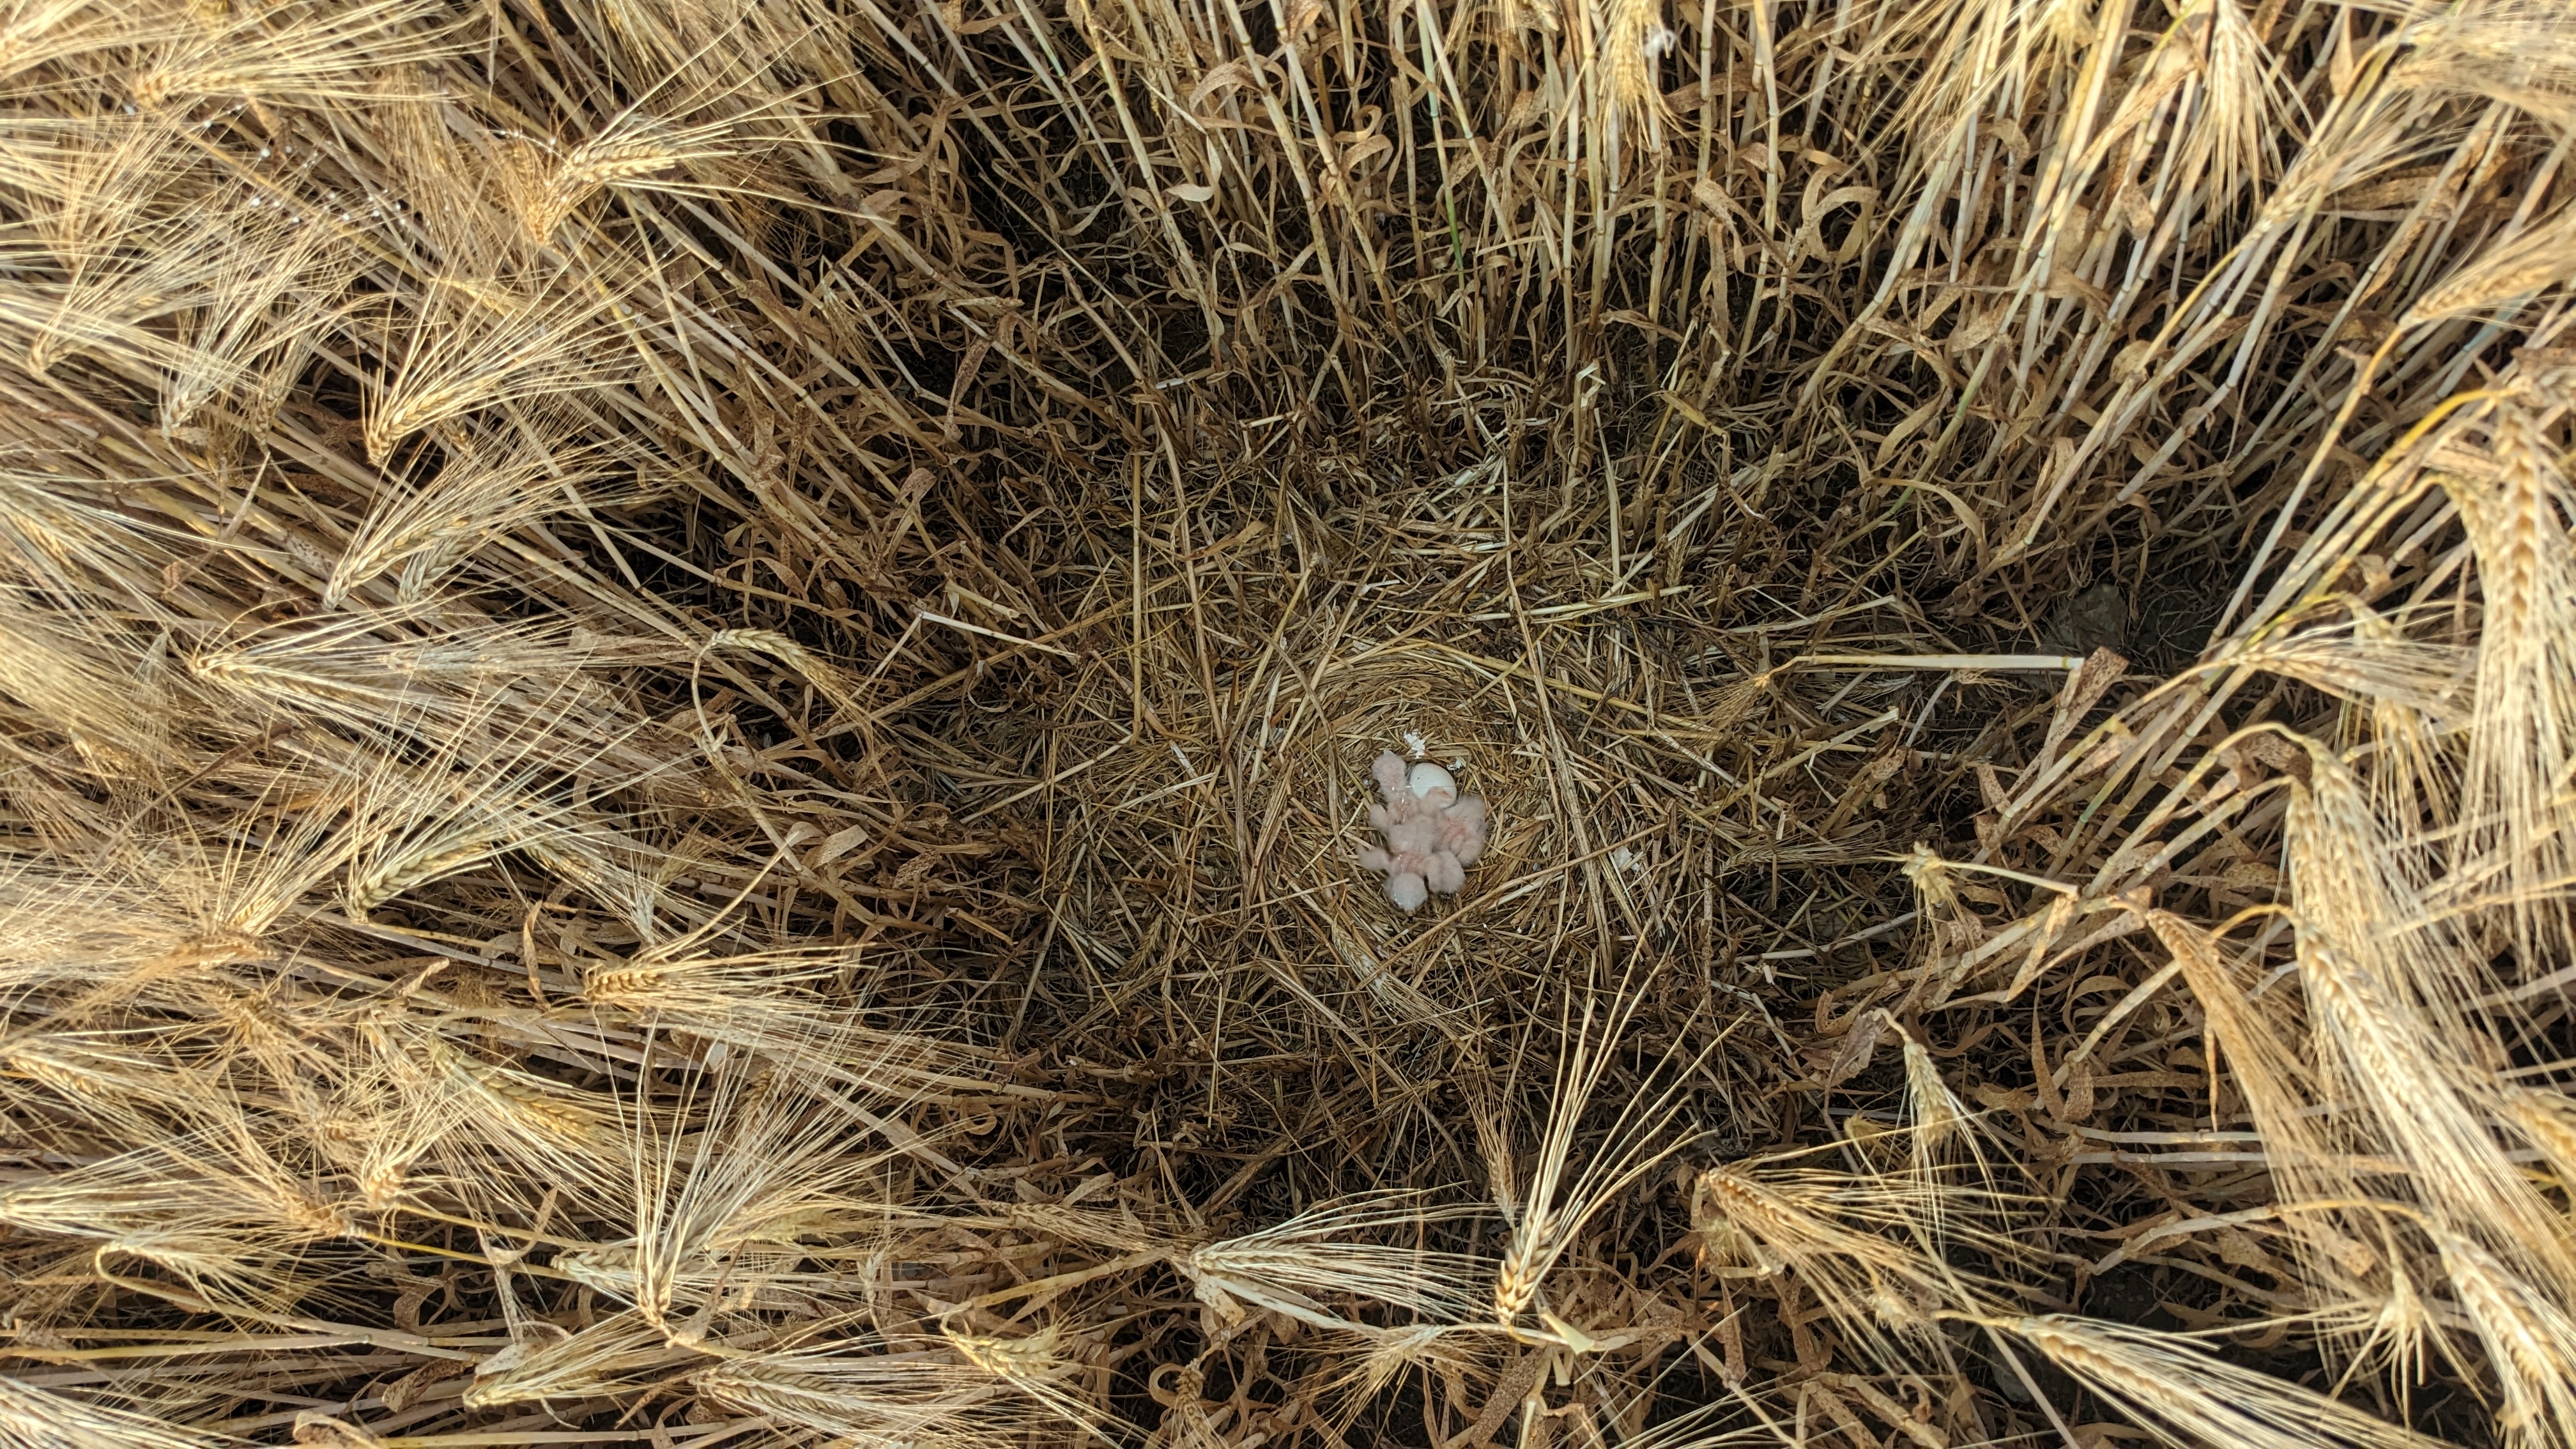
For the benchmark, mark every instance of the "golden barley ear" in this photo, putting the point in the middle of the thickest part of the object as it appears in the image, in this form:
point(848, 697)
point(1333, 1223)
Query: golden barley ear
point(1873, 1249)
point(754, 1156)
point(2388, 1018)
point(503, 476)
point(547, 183)
point(319, 58)
point(39, 1416)
point(1554, 1207)
point(2516, 498)
point(480, 340)
point(2196, 1396)
point(600, 1359)
point(891, 1390)
point(1033, 1365)
point(1325, 1250)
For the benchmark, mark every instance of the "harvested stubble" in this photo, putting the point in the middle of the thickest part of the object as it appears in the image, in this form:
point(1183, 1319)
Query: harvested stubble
point(686, 696)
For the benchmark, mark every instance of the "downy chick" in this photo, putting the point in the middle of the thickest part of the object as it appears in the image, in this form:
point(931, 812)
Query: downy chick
point(1432, 835)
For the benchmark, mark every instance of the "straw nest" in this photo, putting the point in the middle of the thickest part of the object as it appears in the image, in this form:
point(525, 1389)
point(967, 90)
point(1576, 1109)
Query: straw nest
point(687, 692)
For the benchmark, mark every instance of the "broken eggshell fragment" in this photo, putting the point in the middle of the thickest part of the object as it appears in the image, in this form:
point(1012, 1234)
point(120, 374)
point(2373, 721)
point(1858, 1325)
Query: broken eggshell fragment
point(1431, 835)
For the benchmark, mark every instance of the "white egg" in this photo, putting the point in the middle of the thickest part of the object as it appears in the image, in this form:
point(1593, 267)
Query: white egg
point(1427, 777)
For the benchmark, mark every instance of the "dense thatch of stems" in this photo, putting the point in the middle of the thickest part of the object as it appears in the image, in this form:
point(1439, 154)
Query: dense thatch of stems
point(687, 691)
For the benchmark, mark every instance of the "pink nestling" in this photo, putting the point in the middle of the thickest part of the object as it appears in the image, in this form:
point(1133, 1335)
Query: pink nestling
point(1432, 835)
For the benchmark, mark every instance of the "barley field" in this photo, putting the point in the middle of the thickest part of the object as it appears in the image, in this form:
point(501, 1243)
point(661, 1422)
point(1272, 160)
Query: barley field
point(1231, 724)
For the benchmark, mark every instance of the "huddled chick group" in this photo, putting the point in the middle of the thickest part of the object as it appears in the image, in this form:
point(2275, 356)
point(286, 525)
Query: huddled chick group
point(1432, 835)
